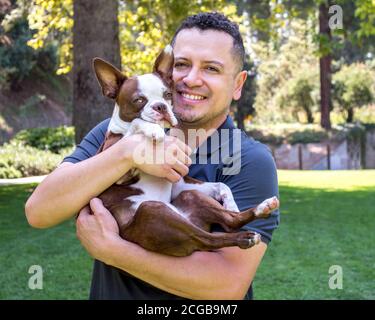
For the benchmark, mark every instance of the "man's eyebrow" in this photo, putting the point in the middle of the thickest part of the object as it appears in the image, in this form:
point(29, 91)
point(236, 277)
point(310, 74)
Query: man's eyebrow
point(206, 61)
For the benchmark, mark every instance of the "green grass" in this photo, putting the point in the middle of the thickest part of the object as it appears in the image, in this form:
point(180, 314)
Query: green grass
point(328, 218)
point(66, 266)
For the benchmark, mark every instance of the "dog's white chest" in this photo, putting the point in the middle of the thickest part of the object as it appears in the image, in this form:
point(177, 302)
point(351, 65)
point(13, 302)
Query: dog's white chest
point(153, 188)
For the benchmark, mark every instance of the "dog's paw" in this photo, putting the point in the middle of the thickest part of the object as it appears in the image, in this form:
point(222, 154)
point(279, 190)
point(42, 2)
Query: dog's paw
point(224, 195)
point(266, 207)
point(155, 133)
point(248, 239)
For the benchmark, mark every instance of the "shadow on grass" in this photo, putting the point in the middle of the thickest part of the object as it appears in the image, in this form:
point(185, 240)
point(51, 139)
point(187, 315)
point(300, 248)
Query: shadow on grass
point(318, 229)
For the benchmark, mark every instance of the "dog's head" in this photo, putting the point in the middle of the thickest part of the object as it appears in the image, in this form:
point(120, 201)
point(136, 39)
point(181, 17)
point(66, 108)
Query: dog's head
point(147, 96)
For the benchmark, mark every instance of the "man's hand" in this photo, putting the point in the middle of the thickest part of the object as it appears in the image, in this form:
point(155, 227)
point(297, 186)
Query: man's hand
point(97, 229)
point(167, 159)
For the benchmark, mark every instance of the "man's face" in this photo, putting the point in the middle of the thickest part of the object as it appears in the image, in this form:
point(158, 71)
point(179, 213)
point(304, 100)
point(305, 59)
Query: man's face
point(205, 74)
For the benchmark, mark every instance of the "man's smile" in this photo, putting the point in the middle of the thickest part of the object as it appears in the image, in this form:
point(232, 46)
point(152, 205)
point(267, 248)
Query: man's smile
point(190, 97)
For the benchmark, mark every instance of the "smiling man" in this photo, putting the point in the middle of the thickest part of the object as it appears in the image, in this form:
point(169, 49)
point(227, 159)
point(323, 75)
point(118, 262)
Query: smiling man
point(208, 75)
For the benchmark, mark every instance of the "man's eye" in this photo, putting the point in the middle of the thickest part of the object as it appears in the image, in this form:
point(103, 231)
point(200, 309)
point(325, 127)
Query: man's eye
point(139, 100)
point(212, 69)
point(180, 65)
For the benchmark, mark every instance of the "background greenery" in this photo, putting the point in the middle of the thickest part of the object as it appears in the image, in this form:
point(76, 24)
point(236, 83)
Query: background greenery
point(35, 152)
point(326, 219)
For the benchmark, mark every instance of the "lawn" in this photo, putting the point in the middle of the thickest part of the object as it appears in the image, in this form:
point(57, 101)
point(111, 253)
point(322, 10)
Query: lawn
point(328, 218)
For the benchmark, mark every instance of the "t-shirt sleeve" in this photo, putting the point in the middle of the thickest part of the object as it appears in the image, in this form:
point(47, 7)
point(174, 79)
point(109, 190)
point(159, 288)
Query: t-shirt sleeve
point(256, 181)
point(90, 144)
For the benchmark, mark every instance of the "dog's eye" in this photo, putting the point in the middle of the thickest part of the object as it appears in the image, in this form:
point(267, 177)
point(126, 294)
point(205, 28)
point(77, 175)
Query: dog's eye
point(168, 95)
point(139, 100)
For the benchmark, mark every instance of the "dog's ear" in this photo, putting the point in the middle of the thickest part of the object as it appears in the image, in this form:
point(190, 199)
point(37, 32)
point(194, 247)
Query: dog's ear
point(164, 64)
point(109, 77)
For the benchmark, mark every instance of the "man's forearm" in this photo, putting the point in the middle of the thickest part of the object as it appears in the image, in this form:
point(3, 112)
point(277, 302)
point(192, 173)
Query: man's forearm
point(202, 275)
point(69, 188)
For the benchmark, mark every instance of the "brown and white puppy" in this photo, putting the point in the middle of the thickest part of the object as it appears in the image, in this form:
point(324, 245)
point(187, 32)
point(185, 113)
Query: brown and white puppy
point(173, 219)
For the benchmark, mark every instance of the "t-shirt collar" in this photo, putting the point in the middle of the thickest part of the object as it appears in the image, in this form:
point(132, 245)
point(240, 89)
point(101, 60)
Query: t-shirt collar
point(208, 147)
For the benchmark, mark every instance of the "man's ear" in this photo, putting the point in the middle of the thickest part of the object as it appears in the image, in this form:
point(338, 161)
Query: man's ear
point(239, 82)
point(109, 77)
point(164, 64)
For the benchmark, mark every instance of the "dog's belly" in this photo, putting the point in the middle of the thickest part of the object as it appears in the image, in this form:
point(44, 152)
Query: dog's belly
point(154, 189)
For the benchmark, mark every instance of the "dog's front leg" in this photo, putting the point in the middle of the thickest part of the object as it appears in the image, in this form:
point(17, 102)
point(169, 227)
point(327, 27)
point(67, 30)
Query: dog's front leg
point(217, 190)
point(149, 129)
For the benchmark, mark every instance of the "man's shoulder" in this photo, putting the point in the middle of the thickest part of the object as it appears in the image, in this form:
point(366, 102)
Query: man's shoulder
point(253, 150)
point(101, 126)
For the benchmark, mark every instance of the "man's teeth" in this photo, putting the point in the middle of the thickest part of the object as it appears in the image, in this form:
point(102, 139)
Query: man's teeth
point(192, 97)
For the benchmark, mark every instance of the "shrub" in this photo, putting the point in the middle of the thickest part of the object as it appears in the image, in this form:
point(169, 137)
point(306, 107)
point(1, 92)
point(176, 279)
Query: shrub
point(353, 88)
point(18, 160)
point(299, 133)
point(17, 59)
point(52, 139)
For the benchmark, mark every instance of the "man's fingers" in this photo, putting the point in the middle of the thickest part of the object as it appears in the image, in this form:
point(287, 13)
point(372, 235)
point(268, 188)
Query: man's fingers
point(173, 176)
point(85, 211)
point(97, 207)
point(184, 147)
point(180, 168)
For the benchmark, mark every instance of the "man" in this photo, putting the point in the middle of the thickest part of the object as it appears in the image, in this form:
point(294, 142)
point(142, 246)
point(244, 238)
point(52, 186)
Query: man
point(207, 73)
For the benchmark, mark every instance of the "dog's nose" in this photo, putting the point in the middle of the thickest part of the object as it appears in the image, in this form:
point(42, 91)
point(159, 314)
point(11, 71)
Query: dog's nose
point(160, 107)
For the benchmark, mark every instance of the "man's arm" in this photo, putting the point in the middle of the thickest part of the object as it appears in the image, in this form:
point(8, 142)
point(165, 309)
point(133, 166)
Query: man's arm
point(222, 274)
point(71, 186)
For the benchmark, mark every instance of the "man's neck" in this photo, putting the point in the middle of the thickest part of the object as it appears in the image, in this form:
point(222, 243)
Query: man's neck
point(203, 130)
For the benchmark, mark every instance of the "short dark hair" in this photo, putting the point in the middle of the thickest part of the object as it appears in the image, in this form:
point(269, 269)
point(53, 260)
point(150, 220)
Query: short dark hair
point(216, 21)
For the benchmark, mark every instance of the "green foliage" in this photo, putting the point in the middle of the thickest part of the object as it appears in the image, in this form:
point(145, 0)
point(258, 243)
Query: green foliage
point(365, 11)
point(17, 59)
point(19, 160)
point(353, 86)
point(145, 27)
point(301, 92)
point(288, 133)
point(52, 22)
point(290, 71)
point(52, 139)
point(301, 133)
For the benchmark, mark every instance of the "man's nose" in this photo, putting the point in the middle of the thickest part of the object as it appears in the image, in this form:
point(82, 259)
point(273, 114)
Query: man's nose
point(160, 107)
point(193, 78)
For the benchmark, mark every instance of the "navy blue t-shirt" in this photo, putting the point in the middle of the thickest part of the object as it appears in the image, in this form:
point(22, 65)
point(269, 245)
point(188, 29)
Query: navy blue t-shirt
point(228, 156)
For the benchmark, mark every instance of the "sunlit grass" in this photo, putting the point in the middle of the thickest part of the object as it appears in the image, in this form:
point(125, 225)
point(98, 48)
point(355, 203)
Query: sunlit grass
point(327, 218)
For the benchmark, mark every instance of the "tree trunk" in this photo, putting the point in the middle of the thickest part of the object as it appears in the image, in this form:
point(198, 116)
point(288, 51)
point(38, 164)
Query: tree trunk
point(95, 34)
point(350, 115)
point(309, 115)
point(240, 118)
point(325, 70)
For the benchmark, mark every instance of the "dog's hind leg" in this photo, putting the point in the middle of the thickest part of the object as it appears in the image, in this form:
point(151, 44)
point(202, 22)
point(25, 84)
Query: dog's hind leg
point(157, 227)
point(204, 211)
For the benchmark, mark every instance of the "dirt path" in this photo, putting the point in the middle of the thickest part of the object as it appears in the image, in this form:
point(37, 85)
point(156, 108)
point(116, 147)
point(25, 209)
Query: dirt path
point(9, 182)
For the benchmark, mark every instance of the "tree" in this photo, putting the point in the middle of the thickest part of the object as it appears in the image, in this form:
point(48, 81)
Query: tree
point(325, 67)
point(244, 106)
point(95, 34)
point(353, 88)
point(299, 93)
point(281, 69)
